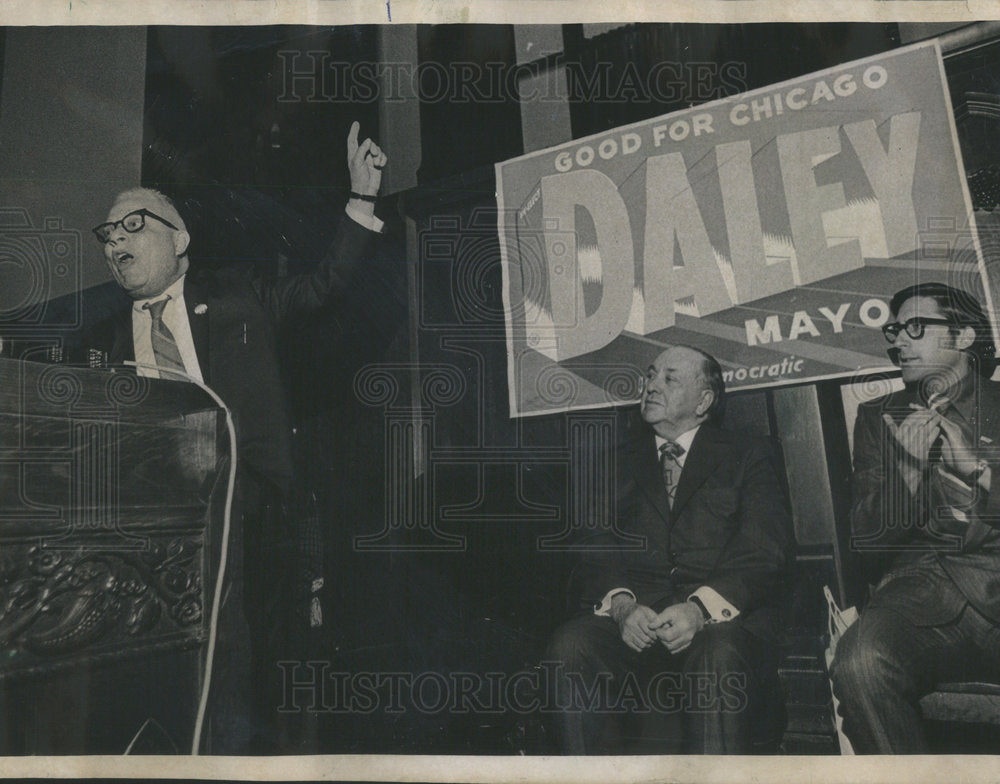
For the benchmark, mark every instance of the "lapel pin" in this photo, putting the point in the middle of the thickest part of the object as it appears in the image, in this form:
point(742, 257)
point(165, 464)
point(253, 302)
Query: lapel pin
point(201, 309)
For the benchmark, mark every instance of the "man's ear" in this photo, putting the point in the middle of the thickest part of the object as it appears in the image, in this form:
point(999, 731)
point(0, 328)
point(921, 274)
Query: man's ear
point(707, 398)
point(181, 241)
point(965, 338)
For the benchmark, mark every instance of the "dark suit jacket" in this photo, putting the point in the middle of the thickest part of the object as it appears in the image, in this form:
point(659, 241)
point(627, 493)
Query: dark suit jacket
point(915, 543)
point(729, 528)
point(235, 337)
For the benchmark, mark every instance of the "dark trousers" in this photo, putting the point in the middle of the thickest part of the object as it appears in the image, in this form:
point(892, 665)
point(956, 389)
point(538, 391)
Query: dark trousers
point(254, 618)
point(278, 573)
point(718, 696)
point(228, 726)
point(885, 663)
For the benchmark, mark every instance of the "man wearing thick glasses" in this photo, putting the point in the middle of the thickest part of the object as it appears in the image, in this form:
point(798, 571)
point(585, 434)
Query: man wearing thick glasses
point(925, 516)
point(220, 327)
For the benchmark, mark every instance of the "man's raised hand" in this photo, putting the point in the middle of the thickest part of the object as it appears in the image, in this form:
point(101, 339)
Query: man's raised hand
point(916, 432)
point(365, 162)
point(956, 452)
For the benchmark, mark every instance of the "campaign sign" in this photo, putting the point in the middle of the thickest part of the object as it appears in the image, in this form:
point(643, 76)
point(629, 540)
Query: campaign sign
point(769, 229)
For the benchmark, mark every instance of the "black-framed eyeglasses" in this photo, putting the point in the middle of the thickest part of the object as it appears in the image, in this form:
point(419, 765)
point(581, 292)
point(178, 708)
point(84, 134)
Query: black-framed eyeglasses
point(914, 327)
point(132, 223)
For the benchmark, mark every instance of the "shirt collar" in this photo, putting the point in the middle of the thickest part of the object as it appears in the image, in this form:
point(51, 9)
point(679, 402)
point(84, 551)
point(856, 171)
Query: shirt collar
point(684, 440)
point(961, 397)
point(175, 291)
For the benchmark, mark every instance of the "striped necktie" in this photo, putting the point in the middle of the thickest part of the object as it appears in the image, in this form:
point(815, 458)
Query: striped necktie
point(168, 356)
point(670, 453)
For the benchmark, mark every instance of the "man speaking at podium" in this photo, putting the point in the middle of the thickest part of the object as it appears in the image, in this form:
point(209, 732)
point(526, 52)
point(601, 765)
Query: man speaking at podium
point(220, 328)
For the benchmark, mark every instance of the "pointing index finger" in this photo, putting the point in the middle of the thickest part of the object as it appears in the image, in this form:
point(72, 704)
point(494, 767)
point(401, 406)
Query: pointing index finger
point(352, 138)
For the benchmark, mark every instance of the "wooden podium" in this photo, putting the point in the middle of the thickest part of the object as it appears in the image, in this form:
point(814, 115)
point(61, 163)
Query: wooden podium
point(109, 483)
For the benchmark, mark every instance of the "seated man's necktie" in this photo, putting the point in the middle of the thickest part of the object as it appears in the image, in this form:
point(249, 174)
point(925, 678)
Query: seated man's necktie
point(670, 453)
point(168, 356)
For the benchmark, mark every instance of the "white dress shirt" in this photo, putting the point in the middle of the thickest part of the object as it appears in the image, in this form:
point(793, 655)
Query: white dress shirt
point(368, 221)
point(175, 318)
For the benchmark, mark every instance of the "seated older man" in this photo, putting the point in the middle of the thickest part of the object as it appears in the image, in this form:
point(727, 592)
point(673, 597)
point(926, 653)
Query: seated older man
point(686, 624)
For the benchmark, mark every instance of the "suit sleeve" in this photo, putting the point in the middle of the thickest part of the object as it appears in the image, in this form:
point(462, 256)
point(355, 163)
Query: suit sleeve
point(752, 567)
point(600, 571)
point(883, 509)
point(980, 500)
point(348, 266)
point(977, 500)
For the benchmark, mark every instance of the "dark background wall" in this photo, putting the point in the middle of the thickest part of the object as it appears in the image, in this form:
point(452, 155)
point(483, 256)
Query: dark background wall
point(71, 113)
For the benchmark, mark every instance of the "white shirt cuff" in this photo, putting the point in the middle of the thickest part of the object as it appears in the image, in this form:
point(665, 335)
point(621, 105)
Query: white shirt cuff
point(718, 608)
point(368, 221)
point(604, 608)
